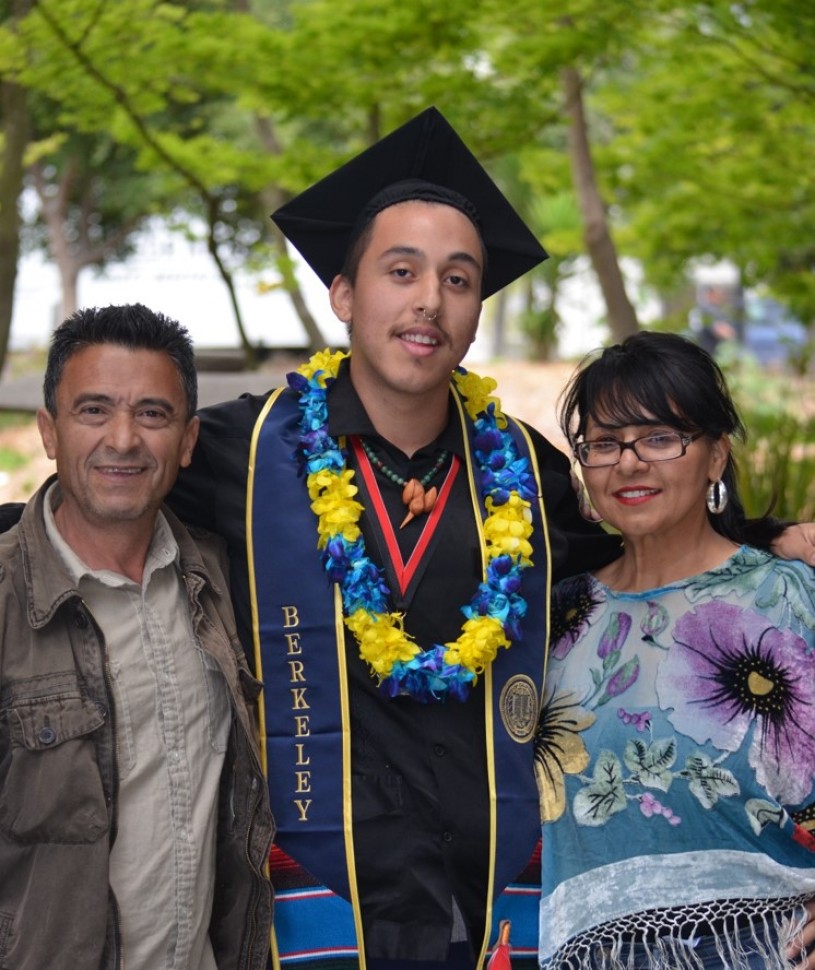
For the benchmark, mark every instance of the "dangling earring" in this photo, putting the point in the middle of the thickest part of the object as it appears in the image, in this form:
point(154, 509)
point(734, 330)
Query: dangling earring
point(717, 497)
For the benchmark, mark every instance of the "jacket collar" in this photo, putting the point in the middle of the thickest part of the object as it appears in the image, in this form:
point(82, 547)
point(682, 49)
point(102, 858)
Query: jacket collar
point(48, 583)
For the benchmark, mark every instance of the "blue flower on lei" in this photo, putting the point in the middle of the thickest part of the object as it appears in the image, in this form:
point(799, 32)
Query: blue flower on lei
point(427, 675)
point(500, 597)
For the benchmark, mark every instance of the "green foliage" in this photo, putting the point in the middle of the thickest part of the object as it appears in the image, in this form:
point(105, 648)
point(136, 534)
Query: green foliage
point(777, 462)
point(10, 459)
point(14, 419)
point(700, 114)
point(714, 128)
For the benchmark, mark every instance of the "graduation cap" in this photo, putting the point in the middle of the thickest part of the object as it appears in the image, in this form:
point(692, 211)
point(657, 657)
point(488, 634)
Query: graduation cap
point(424, 159)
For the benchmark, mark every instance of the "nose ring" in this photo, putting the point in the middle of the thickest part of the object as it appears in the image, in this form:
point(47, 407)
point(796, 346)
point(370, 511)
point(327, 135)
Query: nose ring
point(429, 316)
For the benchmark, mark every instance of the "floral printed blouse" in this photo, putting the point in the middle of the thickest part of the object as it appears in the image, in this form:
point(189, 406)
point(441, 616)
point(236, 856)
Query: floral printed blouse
point(676, 759)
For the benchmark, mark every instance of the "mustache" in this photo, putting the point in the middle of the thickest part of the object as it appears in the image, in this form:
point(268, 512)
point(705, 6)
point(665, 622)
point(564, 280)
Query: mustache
point(134, 457)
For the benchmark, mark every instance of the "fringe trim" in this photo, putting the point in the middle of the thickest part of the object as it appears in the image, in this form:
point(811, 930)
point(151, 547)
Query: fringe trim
point(767, 935)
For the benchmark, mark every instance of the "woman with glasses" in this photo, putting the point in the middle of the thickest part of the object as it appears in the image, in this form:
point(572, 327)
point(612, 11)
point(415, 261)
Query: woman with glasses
point(676, 746)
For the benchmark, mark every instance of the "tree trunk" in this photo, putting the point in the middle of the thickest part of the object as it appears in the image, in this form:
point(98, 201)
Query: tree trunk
point(622, 317)
point(69, 285)
point(69, 241)
point(16, 130)
point(249, 351)
point(53, 208)
point(272, 198)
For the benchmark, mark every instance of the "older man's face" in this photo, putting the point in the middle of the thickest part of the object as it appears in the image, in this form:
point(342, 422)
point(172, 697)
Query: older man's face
point(120, 434)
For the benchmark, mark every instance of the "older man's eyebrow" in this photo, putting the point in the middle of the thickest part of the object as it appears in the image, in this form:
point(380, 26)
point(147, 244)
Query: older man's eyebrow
point(92, 397)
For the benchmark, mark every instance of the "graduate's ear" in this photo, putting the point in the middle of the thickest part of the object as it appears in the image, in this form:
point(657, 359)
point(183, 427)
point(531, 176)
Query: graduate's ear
point(341, 295)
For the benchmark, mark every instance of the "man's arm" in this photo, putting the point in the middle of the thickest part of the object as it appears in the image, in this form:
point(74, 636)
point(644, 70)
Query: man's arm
point(211, 492)
point(10, 514)
point(797, 541)
point(805, 944)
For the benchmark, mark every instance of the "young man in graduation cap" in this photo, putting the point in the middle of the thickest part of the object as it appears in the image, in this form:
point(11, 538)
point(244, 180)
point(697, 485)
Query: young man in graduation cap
point(393, 538)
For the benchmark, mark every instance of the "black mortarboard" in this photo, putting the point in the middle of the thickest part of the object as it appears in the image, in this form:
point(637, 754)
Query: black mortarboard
point(412, 162)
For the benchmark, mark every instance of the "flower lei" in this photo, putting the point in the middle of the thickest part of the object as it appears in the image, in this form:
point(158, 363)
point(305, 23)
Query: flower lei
point(493, 615)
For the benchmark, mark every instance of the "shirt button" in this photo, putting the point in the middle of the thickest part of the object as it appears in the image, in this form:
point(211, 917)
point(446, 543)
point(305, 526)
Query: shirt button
point(447, 837)
point(47, 735)
point(80, 620)
point(439, 750)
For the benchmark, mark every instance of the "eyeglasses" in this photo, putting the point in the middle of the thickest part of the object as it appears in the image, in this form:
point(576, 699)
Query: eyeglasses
point(657, 446)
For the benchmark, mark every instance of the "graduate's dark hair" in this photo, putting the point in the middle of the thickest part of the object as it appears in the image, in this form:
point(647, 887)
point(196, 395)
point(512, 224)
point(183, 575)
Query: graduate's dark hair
point(133, 326)
point(408, 190)
point(661, 379)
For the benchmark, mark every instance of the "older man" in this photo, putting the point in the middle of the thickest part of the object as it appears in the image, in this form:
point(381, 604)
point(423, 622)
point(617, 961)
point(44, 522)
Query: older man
point(134, 821)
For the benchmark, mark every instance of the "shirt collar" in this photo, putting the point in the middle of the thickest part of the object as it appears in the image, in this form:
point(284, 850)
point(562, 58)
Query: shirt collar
point(163, 549)
point(347, 416)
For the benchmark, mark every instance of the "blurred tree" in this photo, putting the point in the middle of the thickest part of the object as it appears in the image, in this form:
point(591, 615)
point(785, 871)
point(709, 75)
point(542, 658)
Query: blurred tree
point(681, 130)
point(91, 203)
point(141, 123)
point(714, 127)
point(14, 118)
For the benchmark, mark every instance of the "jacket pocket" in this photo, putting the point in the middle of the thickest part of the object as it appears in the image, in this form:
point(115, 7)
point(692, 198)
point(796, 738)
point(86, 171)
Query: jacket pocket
point(50, 786)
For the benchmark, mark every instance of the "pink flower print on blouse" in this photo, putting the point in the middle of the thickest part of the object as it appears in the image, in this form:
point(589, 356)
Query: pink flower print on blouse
point(730, 674)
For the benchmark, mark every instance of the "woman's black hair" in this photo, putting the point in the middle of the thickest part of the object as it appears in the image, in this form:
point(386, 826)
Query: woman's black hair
point(664, 379)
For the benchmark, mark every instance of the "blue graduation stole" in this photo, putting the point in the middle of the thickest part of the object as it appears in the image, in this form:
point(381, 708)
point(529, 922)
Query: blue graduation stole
point(300, 656)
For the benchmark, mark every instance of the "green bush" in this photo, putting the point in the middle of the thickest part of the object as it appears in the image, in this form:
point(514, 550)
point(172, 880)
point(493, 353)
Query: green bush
point(777, 462)
point(10, 459)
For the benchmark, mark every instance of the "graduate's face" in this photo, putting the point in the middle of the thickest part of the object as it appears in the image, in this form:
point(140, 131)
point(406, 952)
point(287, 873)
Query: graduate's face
point(119, 434)
point(413, 308)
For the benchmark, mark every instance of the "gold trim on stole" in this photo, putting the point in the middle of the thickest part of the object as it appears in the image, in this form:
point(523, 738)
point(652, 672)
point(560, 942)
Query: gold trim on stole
point(533, 458)
point(347, 805)
point(339, 631)
point(253, 600)
point(475, 498)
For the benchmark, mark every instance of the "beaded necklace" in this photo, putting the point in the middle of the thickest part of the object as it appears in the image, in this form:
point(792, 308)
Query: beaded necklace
point(414, 496)
point(493, 615)
point(390, 474)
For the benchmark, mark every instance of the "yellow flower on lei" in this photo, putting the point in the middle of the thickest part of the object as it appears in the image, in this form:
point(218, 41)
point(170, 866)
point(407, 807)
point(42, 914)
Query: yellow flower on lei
point(476, 392)
point(325, 361)
point(382, 639)
point(332, 501)
point(478, 644)
point(508, 527)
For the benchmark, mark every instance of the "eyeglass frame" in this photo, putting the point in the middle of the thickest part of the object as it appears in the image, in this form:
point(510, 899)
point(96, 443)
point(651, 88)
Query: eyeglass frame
point(684, 441)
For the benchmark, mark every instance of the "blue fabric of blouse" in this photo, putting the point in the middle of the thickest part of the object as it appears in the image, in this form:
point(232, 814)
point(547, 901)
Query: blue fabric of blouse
point(676, 763)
